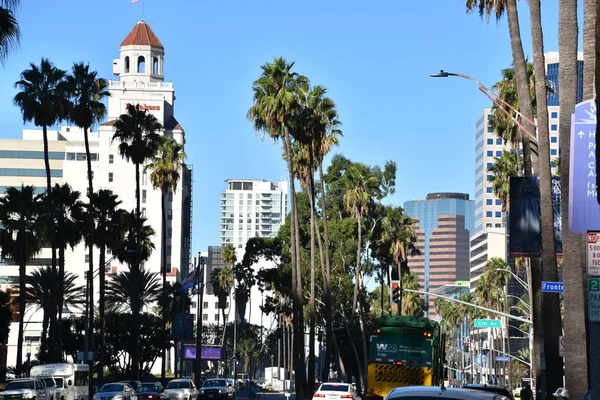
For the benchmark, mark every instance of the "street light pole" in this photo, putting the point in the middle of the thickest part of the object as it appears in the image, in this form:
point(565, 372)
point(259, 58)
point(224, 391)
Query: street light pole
point(199, 312)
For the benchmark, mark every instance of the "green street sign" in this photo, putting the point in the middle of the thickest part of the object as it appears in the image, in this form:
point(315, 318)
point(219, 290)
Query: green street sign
point(594, 299)
point(487, 323)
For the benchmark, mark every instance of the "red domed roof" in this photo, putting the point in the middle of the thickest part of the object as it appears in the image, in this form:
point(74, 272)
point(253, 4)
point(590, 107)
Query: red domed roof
point(142, 35)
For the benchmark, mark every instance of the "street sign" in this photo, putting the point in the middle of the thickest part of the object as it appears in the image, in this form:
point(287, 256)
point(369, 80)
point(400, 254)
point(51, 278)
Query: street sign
point(583, 206)
point(561, 346)
point(594, 299)
point(487, 323)
point(593, 253)
point(502, 358)
point(552, 287)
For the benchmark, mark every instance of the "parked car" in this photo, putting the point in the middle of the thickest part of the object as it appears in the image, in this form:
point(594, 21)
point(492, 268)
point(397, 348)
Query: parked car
point(336, 391)
point(135, 385)
point(159, 387)
point(217, 388)
point(150, 392)
point(109, 390)
point(491, 388)
point(25, 389)
point(441, 393)
point(181, 389)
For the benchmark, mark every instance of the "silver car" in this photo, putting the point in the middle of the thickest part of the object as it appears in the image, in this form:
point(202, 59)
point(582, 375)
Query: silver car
point(18, 389)
point(115, 391)
point(181, 389)
point(440, 393)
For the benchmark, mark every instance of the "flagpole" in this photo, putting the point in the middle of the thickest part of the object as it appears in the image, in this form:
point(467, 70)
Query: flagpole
point(142, 10)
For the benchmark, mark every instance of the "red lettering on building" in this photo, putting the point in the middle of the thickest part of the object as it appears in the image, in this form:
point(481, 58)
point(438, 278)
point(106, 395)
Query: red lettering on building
point(144, 107)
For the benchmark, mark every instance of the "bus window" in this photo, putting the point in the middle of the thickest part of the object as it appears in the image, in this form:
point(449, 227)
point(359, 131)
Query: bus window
point(81, 378)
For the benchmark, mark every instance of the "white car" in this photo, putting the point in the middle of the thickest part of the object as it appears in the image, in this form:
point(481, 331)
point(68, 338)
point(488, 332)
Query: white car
point(336, 391)
point(440, 393)
point(181, 389)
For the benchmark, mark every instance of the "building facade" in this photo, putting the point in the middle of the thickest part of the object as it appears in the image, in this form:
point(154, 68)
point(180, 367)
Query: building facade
point(443, 225)
point(141, 82)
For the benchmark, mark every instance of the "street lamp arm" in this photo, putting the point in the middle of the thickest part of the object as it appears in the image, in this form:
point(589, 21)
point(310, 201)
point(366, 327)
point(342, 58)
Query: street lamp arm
point(471, 305)
point(521, 281)
point(520, 300)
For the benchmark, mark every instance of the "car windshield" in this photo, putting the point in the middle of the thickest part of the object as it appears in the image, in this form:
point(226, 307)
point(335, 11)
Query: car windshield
point(334, 388)
point(178, 385)
point(133, 384)
point(50, 382)
point(19, 385)
point(112, 387)
point(215, 383)
point(59, 382)
point(148, 388)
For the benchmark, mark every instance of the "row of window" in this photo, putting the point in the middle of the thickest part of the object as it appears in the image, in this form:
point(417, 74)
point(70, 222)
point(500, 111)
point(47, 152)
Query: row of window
point(81, 157)
point(30, 172)
point(31, 155)
point(490, 214)
point(205, 304)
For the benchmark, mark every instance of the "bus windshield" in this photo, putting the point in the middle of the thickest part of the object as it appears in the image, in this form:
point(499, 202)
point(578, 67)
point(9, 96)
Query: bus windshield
point(407, 345)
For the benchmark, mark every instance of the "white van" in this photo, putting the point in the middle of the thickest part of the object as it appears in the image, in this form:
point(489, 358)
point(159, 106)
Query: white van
point(70, 380)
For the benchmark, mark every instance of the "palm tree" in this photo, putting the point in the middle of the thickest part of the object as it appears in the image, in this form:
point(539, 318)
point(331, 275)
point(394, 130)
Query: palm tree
point(363, 187)
point(275, 103)
point(139, 141)
point(165, 165)
point(41, 291)
point(123, 288)
point(412, 303)
point(502, 170)
point(221, 281)
point(87, 92)
point(109, 230)
point(589, 48)
point(576, 351)
point(43, 100)
point(20, 240)
point(9, 28)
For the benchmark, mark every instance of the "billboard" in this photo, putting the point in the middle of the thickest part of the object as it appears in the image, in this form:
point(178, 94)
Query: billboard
point(525, 220)
point(584, 211)
point(208, 353)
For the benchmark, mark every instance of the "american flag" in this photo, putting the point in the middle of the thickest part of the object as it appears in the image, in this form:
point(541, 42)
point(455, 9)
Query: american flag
point(134, 1)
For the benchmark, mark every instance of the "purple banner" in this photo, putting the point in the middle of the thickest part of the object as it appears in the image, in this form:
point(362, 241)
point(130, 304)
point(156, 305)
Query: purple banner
point(584, 211)
point(208, 353)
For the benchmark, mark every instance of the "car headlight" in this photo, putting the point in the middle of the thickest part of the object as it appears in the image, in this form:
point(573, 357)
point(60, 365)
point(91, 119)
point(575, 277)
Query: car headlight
point(179, 394)
point(201, 391)
point(118, 397)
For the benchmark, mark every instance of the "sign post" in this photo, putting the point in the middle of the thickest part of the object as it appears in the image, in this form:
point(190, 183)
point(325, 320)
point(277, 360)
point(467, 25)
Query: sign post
point(487, 323)
point(593, 253)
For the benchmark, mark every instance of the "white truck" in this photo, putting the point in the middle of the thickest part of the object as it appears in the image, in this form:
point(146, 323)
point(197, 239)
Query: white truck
point(69, 380)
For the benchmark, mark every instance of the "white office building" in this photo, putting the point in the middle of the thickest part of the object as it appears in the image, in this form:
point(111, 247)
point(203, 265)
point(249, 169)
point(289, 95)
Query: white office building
point(140, 73)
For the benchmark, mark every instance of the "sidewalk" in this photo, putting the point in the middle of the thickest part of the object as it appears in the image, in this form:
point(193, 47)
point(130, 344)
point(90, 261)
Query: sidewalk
point(265, 396)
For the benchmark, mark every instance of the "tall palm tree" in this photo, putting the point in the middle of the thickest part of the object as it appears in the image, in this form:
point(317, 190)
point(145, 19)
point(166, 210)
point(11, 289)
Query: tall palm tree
point(139, 141)
point(363, 187)
point(9, 28)
point(575, 350)
point(275, 102)
point(165, 165)
point(412, 303)
point(221, 281)
point(43, 99)
point(109, 229)
point(504, 168)
point(122, 289)
point(87, 92)
point(63, 209)
point(20, 240)
point(41, 291)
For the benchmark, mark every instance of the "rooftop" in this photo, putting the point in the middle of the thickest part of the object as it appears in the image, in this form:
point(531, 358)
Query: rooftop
point(142, 35)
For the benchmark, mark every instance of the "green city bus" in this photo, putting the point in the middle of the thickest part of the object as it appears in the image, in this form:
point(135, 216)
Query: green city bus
point(404, 351)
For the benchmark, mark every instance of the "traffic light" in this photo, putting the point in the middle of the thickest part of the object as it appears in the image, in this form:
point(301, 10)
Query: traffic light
point(396, 292)
point(467, 347)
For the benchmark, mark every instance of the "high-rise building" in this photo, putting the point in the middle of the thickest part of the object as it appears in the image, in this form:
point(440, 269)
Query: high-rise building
point(251, 208)
point(141, 82)
point(443, 224)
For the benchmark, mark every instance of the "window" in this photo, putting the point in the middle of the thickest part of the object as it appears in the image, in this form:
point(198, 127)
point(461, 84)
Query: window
point(205, 304)
point(553, 152)
point(499, 153)
point(554, 127)
point(553, 139)
point(488, 190)
point(554, 114)
point(490, 141)
point(216, 304)
point(193, 304)
point(87, 258)
point(498, 141)
point(490, 153)
point(204, 317)
point(155, 66)
point(216, 317)
point(490, 165)
point(143, 213)
point(498, 225)
point(490, 129)
point(141, 65)
point(498, 202)
point(110, 176)
point(144, 195)
point(498, 214)
point(489, 202)
point(249, 195)
point(488, 214)
point(126, 65)
point(81, 378)
point(111, 158)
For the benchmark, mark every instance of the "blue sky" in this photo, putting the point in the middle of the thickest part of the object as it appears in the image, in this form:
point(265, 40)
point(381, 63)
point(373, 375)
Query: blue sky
point(375, 57)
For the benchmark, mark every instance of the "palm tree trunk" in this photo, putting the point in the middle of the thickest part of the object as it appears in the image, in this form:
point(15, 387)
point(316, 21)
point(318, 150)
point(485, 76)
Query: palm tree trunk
point(331, 340)
point(163, 234)
point(551, 305)
point(22, 304)
point(298, 324)
point(357, 303)
point(135, 269)
point(310, 384)
point(91, 244)
point(44, 339)
point(589, 51)
point(574, 317)
point(101, 312)
point(55, 328)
